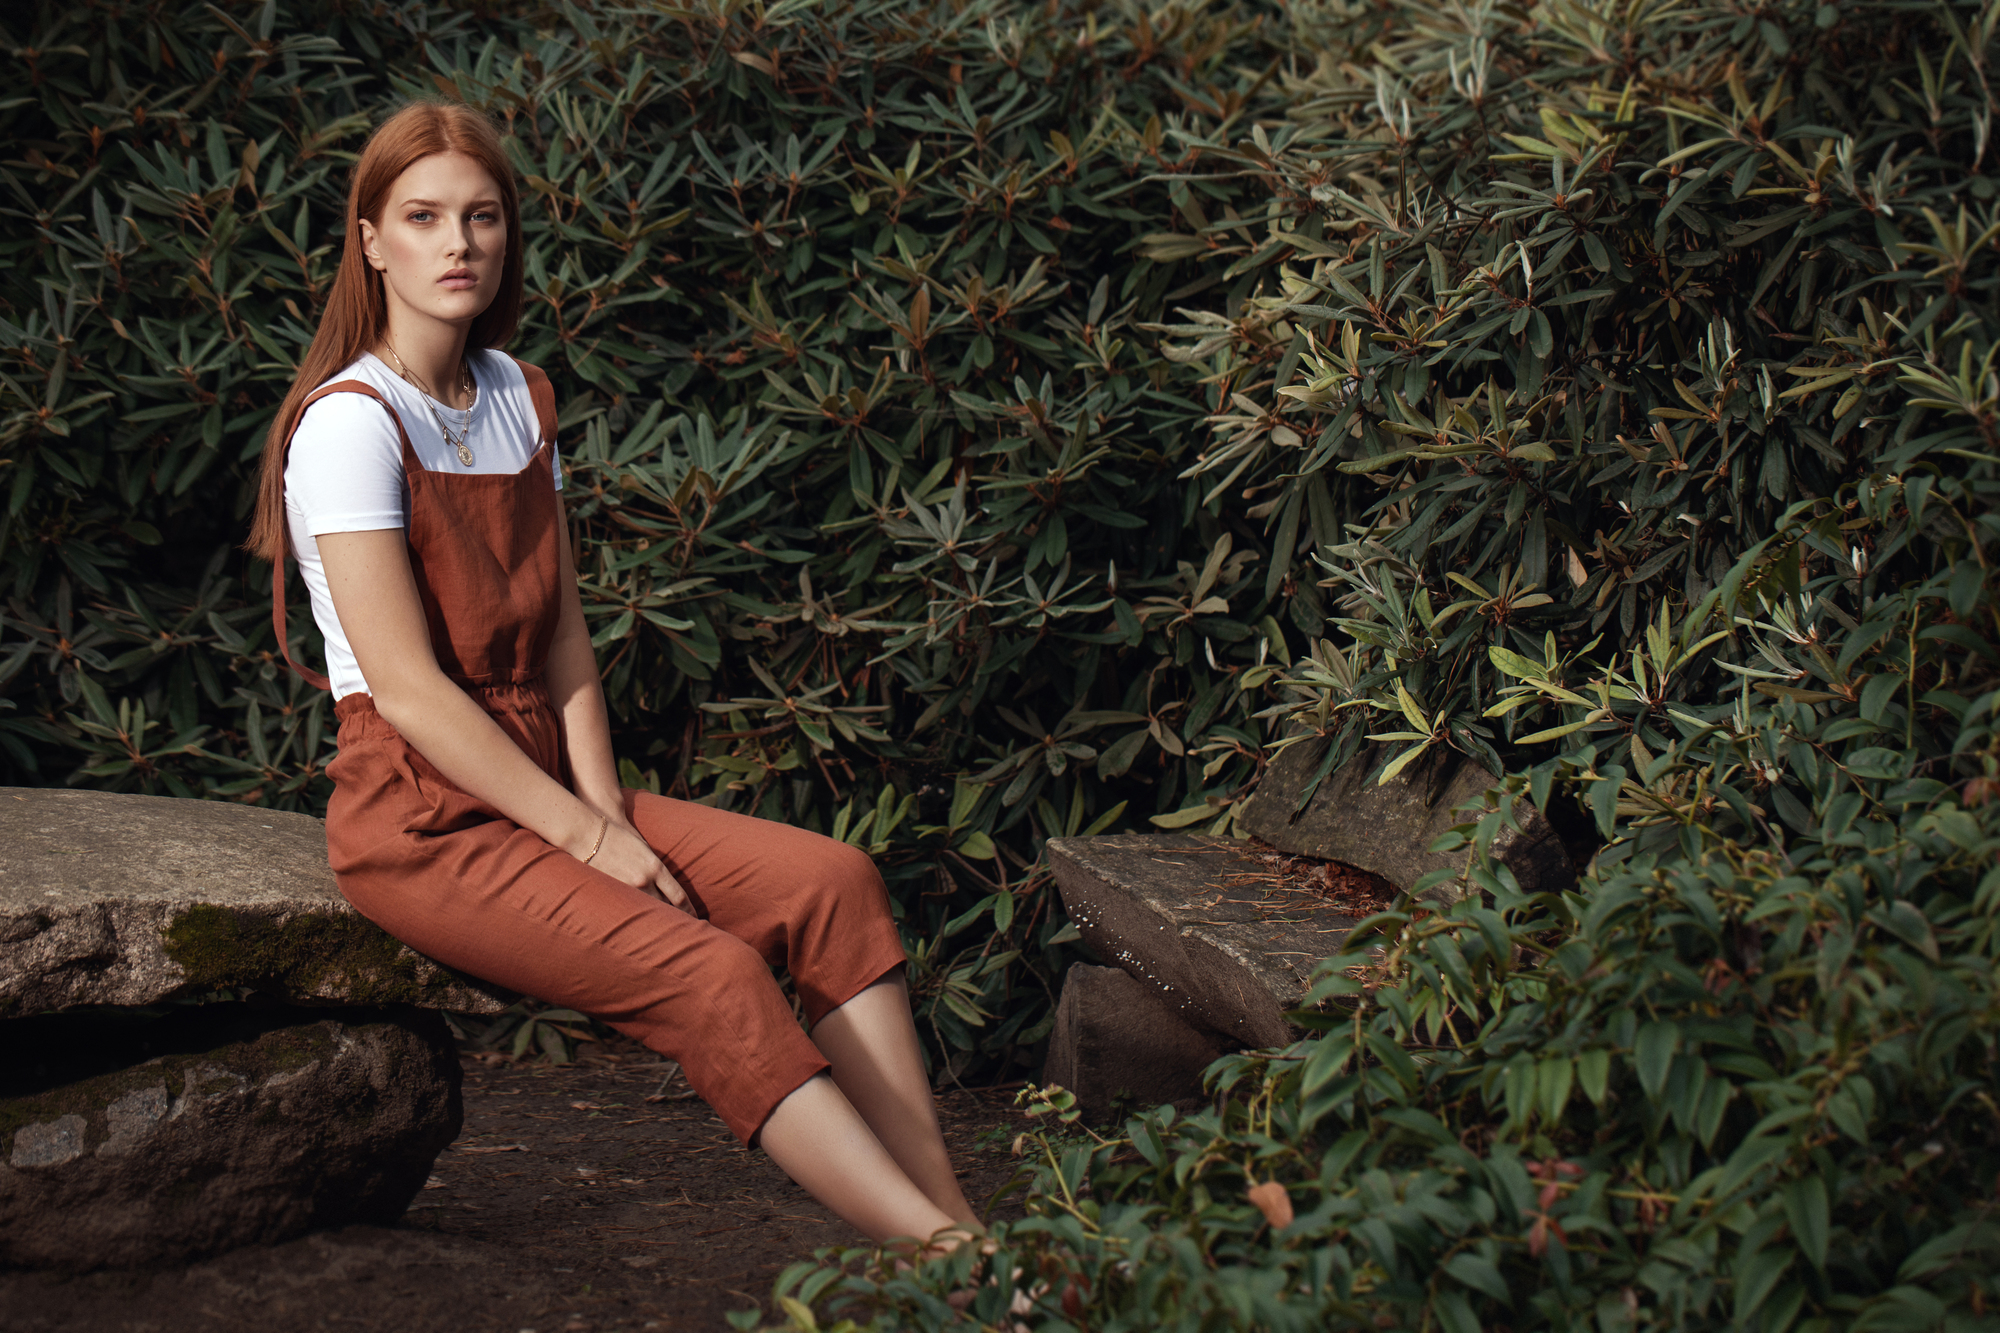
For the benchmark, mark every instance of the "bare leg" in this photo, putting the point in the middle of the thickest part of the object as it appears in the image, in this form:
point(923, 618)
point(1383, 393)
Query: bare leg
point(822, 1143)
point(872, 1044)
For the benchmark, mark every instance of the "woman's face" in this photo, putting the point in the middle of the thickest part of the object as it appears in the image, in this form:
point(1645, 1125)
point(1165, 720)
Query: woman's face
point(441, 242)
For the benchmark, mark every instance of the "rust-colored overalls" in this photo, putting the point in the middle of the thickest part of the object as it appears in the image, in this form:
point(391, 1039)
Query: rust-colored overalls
point(455, 879)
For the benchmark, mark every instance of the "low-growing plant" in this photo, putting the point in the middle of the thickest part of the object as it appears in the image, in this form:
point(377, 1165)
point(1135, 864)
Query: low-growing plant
point(1732, 1090)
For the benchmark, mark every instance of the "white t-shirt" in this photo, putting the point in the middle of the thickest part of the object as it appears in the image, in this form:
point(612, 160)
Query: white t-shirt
point(345, 469)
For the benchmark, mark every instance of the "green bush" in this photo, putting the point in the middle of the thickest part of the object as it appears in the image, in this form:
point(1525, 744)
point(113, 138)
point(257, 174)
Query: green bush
point(1643, 359)
point(1738, 1090)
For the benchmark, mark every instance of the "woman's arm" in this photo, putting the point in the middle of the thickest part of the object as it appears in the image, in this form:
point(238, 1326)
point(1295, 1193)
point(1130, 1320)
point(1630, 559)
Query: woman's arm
point(375, 595)
point(575, 688)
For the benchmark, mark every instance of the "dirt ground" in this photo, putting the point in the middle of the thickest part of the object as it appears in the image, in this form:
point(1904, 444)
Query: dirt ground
point(573, 1202)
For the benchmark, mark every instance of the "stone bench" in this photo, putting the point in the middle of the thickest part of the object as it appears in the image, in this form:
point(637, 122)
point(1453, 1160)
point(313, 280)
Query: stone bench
point(1199, 962)
point(137, 1127)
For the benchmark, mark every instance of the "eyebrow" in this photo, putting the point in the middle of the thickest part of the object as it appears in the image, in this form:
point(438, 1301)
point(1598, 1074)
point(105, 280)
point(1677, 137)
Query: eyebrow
point(432, 203)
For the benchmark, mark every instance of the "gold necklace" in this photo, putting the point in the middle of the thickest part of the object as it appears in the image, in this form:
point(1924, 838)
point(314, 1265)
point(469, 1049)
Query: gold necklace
point(466, 382)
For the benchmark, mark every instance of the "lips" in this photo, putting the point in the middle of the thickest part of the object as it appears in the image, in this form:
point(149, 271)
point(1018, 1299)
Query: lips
point(459, 280)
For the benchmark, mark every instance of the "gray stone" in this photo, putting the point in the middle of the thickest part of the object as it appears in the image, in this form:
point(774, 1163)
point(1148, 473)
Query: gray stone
point(1388, 828)
point(1116, 1040)
point(129, 900)
point(257, 1124)
point(129, 1119)
point(59, 1141)
point(1162, 907)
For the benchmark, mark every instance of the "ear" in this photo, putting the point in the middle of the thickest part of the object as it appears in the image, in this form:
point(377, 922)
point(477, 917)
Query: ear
point(371, 247)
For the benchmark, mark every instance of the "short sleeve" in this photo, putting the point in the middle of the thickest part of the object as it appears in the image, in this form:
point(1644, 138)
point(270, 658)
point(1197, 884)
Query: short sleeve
point(344, 472)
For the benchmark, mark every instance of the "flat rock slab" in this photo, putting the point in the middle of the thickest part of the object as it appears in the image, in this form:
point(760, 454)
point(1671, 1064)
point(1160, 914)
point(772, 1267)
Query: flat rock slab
point(253, 1124)
point(1182, 914)
point(1388, 828)
point(130, 900)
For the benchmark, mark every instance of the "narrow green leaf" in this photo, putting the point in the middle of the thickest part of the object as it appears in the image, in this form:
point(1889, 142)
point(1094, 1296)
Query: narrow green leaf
point(1192, 814)
point(1478, 1273)
point(1653, 1054)
point(1593, 1072)
point(1807, 1211)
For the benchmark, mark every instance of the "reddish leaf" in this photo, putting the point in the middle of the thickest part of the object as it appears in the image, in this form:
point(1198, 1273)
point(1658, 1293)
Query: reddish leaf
point(1272, 1200)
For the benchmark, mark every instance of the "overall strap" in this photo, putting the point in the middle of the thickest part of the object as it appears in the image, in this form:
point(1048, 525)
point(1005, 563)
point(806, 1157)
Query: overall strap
point(544, 396)
point(311, 677)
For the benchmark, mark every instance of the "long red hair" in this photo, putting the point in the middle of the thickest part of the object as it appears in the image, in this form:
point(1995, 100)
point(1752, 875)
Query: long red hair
point(356, 311)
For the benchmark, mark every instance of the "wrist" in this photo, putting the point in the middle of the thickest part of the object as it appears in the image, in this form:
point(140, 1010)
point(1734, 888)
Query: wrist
point(582, 830)
point(597, 842)
point(600, 800)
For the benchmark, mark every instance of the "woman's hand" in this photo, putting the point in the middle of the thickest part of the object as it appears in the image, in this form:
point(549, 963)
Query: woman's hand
point(625, 857)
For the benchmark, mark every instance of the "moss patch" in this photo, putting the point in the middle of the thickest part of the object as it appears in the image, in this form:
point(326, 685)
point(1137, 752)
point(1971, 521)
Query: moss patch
point(311, 954)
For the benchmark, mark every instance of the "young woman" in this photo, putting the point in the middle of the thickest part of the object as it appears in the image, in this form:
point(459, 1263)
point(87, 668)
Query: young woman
point(476, 813)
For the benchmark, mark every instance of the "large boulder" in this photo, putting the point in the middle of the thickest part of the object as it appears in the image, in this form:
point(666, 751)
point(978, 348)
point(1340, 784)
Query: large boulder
point(146, 1138)
point(1173, 910)
point(1388, 828)
point(129, 900)
point(1117, 1040)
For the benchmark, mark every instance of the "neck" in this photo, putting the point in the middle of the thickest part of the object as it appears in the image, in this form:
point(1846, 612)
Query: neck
point(432, 355)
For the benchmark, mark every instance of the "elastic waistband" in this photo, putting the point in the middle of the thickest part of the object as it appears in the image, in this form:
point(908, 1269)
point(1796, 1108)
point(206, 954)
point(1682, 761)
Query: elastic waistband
point(528, 695)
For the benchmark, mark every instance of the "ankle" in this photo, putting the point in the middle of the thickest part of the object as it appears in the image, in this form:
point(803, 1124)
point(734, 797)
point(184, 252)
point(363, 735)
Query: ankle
point(947, 1239)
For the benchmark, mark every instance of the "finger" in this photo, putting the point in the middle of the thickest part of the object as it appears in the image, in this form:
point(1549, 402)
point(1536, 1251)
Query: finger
point(670, 888)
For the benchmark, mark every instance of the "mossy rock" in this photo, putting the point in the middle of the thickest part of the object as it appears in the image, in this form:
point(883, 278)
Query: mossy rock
point(189, 897)
point(311, 954)
point(147, 1136)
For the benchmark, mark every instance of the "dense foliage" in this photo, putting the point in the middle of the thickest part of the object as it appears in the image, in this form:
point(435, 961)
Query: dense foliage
point(1736, 1090)
point(992, 421)
point(1644, 355)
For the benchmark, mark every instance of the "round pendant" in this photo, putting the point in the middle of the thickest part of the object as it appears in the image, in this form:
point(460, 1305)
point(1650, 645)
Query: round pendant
point(464, 454)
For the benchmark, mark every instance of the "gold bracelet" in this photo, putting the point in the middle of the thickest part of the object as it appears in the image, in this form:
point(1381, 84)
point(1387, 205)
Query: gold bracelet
point(598, 846)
